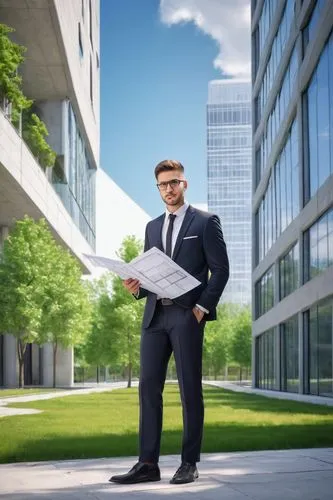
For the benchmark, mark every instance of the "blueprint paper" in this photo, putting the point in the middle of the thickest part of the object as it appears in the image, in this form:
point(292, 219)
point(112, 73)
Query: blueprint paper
point(155, 270)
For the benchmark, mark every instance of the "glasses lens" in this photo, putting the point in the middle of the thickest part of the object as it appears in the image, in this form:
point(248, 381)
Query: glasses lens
point(174, 183)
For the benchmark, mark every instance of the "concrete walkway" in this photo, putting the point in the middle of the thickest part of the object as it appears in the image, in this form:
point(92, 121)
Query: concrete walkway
point(7, 412)
point(270, 475)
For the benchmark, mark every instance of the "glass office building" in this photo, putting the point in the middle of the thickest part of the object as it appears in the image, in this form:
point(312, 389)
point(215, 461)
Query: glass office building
point(292, 260)
point(229, 177)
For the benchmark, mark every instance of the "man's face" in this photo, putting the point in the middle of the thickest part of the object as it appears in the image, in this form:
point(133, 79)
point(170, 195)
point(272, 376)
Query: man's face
point(172, 194)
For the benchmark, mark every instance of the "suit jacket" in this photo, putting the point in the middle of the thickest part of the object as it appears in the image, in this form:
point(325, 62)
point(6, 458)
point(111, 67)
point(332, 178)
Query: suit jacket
point(199, 256)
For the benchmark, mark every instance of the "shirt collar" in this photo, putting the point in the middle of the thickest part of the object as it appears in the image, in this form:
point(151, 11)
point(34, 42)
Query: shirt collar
point(181, 210)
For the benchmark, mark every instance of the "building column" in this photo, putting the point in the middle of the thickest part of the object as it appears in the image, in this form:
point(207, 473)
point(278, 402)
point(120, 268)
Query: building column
point(10, 362)
point(47, 365)
point(65, 366)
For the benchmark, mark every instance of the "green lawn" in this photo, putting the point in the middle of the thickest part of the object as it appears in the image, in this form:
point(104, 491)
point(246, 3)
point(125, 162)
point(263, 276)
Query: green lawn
point(8, 393)
point(105, 425)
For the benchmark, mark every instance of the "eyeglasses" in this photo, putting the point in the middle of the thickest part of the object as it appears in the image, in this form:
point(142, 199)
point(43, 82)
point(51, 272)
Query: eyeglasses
point(174, 183)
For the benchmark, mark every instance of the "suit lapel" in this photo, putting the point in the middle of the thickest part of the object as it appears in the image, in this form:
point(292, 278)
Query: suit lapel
point(158, 232)
point(190, 213)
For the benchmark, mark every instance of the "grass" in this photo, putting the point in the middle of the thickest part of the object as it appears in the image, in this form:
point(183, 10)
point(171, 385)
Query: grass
point(105, 425)
point(7, 393)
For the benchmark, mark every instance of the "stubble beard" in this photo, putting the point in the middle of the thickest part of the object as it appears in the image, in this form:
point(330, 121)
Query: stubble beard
point(179, 200)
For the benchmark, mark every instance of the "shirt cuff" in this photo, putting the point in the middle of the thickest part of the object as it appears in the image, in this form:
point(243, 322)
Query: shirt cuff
point(203, 309)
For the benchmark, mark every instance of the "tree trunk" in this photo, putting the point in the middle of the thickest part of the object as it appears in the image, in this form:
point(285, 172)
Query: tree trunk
point(97, 374)
point(21, 347)
point(226, 372)
point(55, 347)
point(240, 374)
point(129, 381)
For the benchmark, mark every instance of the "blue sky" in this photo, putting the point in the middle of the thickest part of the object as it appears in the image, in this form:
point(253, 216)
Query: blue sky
point(154, 80)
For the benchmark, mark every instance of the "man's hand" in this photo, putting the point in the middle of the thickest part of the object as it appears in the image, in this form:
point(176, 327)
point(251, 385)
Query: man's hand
point(198, 314)
point(132, 285)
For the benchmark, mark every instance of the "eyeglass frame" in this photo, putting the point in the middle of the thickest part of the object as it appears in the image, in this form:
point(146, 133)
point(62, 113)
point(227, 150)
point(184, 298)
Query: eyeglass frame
point(165, 184)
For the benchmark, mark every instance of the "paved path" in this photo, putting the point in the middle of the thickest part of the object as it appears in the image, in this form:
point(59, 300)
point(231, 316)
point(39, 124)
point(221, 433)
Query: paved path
point(270, 475)
point(7, 412)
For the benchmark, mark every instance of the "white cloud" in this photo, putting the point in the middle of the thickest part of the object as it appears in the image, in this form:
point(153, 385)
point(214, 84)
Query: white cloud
point(226, 21)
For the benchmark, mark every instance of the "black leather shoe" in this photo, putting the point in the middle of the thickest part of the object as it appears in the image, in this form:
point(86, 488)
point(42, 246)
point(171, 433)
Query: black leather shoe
point(187, 473)
point(140, 473)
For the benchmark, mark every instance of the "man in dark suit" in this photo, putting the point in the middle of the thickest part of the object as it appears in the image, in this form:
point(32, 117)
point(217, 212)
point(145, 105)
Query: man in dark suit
point(194, 240)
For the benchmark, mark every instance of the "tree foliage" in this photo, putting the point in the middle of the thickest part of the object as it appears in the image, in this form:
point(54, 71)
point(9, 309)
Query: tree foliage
point(35, 133)
point(116, 327)
point(66, 308)
point(41, 295)
point(241, 345)
point(11, 56)
point(34, 129)
point(227, 340)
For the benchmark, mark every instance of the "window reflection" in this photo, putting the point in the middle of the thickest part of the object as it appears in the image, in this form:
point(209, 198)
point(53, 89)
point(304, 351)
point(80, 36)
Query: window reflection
point(290, 355)
point(265, 356)
point(319, 97)
point(320, 349)
point(289, 272)
point(281, 200)
point(319, 239)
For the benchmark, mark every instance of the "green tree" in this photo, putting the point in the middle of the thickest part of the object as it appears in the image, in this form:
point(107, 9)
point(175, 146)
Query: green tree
point(241, 342)
point(217, 341)
point(101, 347)
point(35, 133)
point(116, 326)
point(11, 56)
point(34, 129)
point(127, 313)
point(24, 273)
point(66, 308)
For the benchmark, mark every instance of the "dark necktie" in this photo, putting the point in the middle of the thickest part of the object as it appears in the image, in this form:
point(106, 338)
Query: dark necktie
point(168, 246)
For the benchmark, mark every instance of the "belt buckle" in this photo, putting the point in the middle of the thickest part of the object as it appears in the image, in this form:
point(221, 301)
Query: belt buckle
point(166, 302)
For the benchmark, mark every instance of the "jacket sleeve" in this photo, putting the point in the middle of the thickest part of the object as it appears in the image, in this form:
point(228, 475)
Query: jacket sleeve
point(218, 263)
point(142, 291)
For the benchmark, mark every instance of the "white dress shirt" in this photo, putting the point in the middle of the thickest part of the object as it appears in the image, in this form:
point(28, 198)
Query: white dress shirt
point(177, 223)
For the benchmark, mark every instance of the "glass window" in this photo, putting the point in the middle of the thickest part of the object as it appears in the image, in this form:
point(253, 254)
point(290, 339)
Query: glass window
point(290, 355)
point(289, 272)
point(264, 293)
point(320, 349)
point(265, 360)
point(318, 240)
point(320, 121)
point(278, 46)
point(76, 187)
point(280, 204)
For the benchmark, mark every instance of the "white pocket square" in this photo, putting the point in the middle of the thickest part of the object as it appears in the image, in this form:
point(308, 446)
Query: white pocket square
point(189, 237)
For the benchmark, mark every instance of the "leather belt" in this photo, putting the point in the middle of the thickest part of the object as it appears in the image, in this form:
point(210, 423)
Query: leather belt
point(166, 302)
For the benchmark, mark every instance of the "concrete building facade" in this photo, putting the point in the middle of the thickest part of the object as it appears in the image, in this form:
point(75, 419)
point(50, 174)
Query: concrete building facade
point(292, 77)
point(61, 75)
point(229, 168)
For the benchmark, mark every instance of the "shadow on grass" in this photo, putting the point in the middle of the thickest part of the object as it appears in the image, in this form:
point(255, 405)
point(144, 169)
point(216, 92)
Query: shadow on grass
point(217, 438)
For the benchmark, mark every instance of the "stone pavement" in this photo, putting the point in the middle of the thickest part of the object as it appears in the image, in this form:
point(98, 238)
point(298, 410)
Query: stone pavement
point(269, 475)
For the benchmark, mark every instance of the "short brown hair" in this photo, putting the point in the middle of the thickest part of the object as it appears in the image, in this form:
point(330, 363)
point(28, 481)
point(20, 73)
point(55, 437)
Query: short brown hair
point(167, 166)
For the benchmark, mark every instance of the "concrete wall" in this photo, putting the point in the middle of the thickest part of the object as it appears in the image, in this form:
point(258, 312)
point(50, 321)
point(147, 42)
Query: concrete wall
point(37, 197)
point(69, 14)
